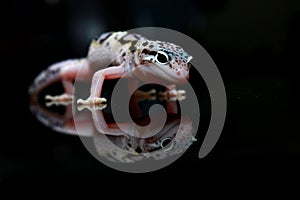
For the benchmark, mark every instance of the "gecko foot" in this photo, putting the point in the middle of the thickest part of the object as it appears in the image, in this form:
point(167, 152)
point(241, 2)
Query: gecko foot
point(172, 95)
point(92, 101)
point(64, 99)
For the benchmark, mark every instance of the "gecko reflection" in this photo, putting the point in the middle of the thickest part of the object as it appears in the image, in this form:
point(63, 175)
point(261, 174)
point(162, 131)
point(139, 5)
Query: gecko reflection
point(171, 140)
point(113, 143)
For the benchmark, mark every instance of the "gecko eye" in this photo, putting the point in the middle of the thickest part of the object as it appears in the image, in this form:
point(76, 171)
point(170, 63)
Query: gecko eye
point(161, 58)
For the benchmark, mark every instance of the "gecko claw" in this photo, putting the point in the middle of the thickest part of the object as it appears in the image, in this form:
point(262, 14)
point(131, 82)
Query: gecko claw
point(94, 103)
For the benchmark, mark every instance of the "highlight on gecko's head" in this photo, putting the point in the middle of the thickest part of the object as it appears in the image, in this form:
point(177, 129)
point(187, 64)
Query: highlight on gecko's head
point(165, 60)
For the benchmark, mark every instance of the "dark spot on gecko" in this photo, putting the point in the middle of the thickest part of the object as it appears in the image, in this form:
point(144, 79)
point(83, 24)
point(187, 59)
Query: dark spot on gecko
point(136, 36)
point(133, 45)
point(107, 44)
point(138, 150)
point(151, 46)
point(145, 51)
point(132, 48)
point(144, 43)
point(122, 41)
point(104, 36)
point(50, 72)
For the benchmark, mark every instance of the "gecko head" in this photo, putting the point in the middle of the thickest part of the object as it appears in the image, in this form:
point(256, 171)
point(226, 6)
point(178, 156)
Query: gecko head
point(164, 60)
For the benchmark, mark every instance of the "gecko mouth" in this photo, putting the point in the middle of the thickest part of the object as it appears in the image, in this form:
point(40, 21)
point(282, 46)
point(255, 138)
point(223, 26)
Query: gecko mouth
point(152, 73)
point(171, 74)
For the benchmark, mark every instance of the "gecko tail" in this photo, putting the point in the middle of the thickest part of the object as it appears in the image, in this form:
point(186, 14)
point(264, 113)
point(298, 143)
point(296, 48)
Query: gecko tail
point(49, 76)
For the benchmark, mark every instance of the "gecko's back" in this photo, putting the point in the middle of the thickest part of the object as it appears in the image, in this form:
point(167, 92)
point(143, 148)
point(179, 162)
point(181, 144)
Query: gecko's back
point(112, 45)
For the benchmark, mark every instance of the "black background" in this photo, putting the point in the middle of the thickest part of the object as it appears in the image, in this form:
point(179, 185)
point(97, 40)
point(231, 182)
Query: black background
point(254, 43)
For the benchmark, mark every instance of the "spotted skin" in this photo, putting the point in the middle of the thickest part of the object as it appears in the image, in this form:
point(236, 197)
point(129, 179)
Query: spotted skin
point(116, 55)
point(178, 58)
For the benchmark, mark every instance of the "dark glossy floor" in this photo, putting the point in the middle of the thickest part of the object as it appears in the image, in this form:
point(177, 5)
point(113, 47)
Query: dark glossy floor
point(254, 44)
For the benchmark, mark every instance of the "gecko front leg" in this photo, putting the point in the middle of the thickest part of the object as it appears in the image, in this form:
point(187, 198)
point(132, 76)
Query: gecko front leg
point(97, 83)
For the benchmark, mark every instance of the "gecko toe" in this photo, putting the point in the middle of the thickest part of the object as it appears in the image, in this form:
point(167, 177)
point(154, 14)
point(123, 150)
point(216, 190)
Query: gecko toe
point(81, 101)
point(98, 101)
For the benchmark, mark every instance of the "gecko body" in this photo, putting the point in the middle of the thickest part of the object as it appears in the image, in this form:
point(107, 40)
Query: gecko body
point(116, 55)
